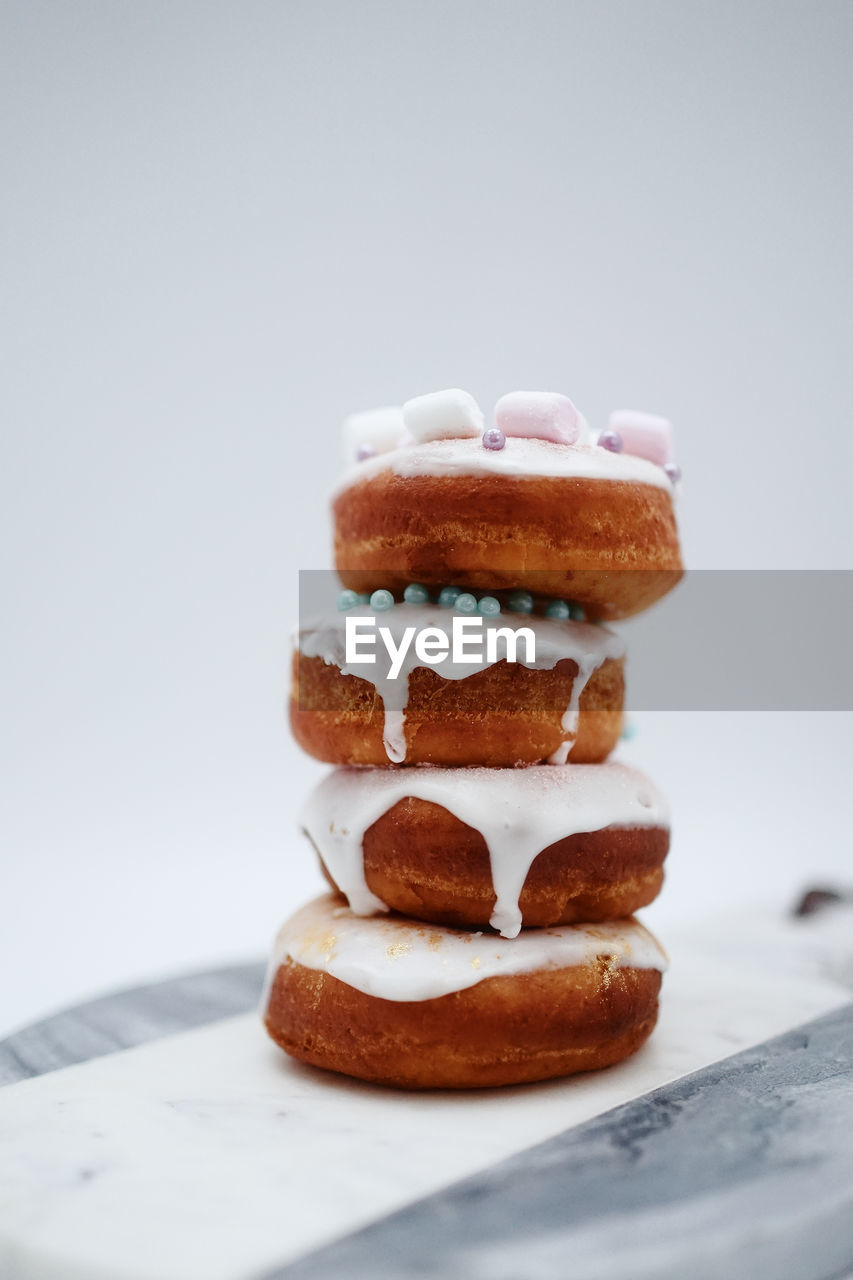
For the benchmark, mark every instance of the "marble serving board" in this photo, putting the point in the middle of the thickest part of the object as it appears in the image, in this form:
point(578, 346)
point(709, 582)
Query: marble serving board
point(207, 1153)
point(742, 1170)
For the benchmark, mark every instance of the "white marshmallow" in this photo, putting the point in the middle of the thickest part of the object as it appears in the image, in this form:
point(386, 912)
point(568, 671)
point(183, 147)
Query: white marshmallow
point(643, 434)
point(584, 431)
point(443, 415)
point(539, 415)
point(376, 429)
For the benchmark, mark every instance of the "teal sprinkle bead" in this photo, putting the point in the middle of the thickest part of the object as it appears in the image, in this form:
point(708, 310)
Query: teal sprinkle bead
point(381, 601)
point(576, 612)
point(416, 594)
point(347, 600)
point(448, 596)
point(520, 602)
point(488, 606)
point(465, 603)
point(629, 731)
point(557, 609)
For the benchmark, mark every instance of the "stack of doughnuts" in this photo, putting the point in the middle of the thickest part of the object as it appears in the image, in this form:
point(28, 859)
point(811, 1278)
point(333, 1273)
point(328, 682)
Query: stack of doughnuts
point(484, 856)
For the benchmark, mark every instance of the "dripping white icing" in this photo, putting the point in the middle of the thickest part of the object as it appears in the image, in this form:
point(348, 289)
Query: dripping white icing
point(589, 646)
point(519, 812)
point(397, 959)
point(520, 457)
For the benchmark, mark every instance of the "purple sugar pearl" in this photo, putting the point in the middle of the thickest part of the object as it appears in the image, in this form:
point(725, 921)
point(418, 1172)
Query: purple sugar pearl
point(611, 440)
point(364, 451)
point(494, 438)
point(673, 470)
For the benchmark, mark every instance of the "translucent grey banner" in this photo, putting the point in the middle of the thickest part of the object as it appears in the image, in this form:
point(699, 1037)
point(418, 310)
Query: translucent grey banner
point(722, 640)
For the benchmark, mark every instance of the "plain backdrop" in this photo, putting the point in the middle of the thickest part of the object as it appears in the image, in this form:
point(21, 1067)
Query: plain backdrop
point(225, 226)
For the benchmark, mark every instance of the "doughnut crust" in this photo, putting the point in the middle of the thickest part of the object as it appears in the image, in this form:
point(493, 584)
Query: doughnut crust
point(504, 714)
point(610, 545)
point(423, 862)
point(505, 1030)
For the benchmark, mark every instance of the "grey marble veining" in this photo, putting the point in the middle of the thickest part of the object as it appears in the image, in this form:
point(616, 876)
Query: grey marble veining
point(742, 1170)
point(128, 1018)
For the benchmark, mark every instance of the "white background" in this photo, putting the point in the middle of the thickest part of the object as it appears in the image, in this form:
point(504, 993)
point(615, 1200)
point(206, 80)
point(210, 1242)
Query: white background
point(227, 225)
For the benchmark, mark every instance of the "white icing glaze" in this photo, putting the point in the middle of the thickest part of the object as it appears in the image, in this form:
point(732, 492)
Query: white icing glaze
point(520, 457)
point(589, 646)
point(519, 812)
point(398, 959)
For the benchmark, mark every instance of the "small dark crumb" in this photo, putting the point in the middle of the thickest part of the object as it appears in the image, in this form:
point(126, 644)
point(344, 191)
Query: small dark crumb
point(814, 900)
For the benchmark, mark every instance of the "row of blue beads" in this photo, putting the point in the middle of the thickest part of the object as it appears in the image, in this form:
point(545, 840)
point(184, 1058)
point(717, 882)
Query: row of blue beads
point(562, 609)
point(349, 599)
point(449, 598)
point(465, 602)
point(462, 601)
point(522, 602)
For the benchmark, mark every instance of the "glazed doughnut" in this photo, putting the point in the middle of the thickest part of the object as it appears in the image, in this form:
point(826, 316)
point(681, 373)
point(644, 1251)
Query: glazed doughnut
point(425, 1007)
point(536, 846)
point(567, 704)
point(574, 521)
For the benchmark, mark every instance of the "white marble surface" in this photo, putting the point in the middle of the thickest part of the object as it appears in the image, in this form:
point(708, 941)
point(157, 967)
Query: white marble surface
point(209, 1154)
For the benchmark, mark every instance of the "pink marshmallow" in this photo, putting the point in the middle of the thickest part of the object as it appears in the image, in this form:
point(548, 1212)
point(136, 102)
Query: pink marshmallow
point(643, 434)
point(543, 415)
